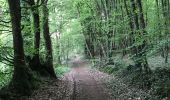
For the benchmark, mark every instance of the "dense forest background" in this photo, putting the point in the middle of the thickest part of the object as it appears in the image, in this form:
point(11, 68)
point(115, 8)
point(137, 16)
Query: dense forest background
point(127, 38)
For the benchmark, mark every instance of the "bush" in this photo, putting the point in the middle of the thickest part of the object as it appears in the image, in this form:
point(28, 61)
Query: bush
point(156, 83)
point(161, 83)
point(112, 68)
point(132, 75)
point(5, 75)
point(60, 70)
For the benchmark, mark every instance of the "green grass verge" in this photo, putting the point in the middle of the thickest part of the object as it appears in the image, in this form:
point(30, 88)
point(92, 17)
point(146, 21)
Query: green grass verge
point(60, 70)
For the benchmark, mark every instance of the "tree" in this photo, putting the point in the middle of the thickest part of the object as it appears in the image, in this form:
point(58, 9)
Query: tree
point(35, 62)
point(48, 45)
point(22, 78)
point(137, 26)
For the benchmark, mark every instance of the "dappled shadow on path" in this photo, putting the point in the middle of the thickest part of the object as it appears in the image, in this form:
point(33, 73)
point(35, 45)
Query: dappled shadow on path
point(85, 84)
point(80, 83)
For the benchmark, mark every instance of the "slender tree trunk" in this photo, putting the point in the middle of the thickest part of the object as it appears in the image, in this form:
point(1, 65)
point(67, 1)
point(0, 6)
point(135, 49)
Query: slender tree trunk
point(166, 15)
point(143, 33)
point(35, 62)
point(47, 38)
point(139, 25)
point(58, 48)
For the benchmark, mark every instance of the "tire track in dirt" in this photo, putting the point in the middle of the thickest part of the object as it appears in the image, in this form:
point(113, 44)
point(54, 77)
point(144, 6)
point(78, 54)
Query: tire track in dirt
point(81, 83)
point(85, 87)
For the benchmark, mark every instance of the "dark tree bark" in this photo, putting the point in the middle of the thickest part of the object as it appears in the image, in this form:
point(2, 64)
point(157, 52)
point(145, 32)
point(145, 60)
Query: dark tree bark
point(142, 48)
point(35, 62)
point(47, 38)
point(21, 78)
point(166, 15)
point(109, 8)
point(139, 29)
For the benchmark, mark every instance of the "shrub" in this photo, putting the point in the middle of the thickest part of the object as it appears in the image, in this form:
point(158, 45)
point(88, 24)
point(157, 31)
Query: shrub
point(161, 83)
point(60, 70)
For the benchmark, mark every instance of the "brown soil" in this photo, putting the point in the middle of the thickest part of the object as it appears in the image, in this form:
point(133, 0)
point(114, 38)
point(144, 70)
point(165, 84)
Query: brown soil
point(86, 85)
point(81, 83)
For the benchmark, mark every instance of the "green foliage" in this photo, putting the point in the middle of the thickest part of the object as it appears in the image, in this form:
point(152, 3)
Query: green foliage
point(5, 75)
point(156, 83)
point(122, 91)
point(113, 68)
point(61, 69)
point(161, 83)
point(130, 82)
point(102, 27)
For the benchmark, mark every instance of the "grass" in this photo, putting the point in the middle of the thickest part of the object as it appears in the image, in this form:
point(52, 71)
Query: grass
point(60, 70)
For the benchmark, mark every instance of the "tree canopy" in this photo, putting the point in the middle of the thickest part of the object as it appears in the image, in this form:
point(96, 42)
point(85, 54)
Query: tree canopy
point(127, 38)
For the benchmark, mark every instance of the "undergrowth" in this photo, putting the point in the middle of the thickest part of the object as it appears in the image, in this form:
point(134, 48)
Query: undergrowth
point(60, 70)
point(130, 83)
point(5, 75)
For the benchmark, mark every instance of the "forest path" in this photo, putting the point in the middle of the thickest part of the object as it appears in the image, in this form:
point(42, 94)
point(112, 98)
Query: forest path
point(80, 83)
point(86, 83)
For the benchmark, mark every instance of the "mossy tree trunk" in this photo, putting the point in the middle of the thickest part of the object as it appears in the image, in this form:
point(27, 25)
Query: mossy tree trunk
point(35, 62)
point(47, 38)
point(138, 28)
point(22, 77)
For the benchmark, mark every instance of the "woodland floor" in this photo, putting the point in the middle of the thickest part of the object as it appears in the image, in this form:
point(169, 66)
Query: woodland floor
point(81, 83)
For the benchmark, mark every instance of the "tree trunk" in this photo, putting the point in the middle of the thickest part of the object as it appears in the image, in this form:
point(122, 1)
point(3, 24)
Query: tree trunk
point(166, 15)
point(21, 78)
point(143, 47)
point(35, 62)
point(58, 47)
point(47, 38)
point(139, 25)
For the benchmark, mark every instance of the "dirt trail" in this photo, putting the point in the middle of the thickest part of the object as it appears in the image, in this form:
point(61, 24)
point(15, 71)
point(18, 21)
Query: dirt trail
point(86, 85)
point(81, 83)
